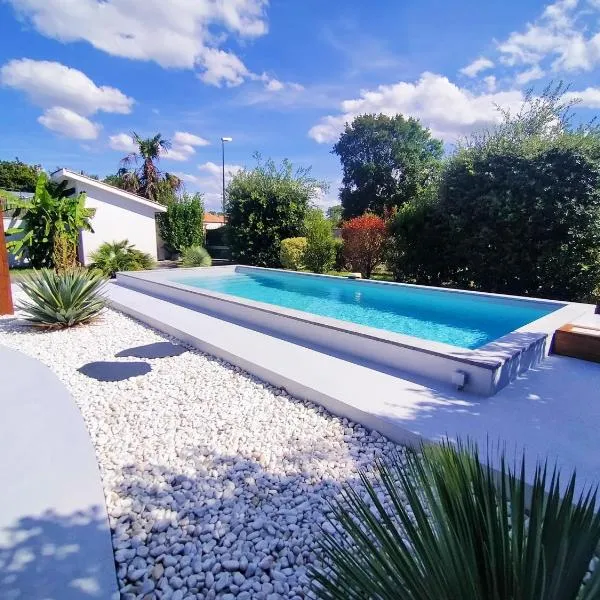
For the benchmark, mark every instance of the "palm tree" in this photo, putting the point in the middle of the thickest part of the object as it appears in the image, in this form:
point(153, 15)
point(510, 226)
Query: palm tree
point(148, 174)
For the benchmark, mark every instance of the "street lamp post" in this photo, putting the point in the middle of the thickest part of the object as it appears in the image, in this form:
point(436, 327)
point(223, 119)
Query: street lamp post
point(223, 140)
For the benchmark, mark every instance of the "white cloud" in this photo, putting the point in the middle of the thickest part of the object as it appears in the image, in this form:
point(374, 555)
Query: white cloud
point(274, 85)
point(54, 84)
point(557, 37)
point(589, 98)
point(490, 83)
point(220, 67)
point(210, 182)
point(68, 123)
point(477, 66)
point(180, 153)
point(177, 34)
point(448, 110)
point(524, 77)
point(122, 142)
point(183, 137)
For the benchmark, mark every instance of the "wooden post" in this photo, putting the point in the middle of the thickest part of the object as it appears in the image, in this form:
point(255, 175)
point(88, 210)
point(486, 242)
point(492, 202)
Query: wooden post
point(6, 303)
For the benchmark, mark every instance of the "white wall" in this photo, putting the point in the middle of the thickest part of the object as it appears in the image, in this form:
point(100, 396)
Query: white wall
point(117, 219)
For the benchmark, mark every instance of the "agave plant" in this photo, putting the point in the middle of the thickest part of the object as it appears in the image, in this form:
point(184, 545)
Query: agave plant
point(441, 525)
point(62, 300)
point(112, 257)
point(196, 256)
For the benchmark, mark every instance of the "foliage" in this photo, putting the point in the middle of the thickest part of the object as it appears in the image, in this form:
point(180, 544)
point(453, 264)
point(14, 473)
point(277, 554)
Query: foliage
point(334, 214)
point(51, 222)
point(340, 260)
point(112, 257)
point(518, 211)
point(386, 162)
point(291, 253)
point(364, 243)
point(319, 255)
point(147, 180)
point(182, 225)
point(58, 300)
point(264, 206)
point(439, 524)
point(195, 256)
point(16, 176)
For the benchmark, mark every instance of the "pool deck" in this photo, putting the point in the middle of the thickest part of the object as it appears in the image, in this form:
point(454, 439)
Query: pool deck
point(553, 410)
point(55, 541)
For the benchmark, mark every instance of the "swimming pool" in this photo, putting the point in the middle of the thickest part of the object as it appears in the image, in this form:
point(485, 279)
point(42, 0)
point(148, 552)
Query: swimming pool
point(476, 341)
point(449, 317)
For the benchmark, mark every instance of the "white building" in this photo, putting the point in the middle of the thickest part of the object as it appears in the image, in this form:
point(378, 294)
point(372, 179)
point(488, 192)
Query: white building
point(119, 215)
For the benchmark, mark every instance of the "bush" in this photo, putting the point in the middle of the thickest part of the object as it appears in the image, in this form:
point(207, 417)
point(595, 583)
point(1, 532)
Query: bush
point(292, 252)
point(62, 300)
point(440, 524)
point(516, 213)
point(182, 225)
point(319, 255)
point(364, 243)
point(112, 257)
point(196, 256)
point(264, 206)
point(340, 259)
point(51, 223)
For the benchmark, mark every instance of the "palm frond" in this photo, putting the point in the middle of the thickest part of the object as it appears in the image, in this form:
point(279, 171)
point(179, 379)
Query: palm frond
point(442, 523)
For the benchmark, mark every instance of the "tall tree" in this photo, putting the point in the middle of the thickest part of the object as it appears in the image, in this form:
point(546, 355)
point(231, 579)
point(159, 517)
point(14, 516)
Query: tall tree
point(264, 206)
point(16, 176)
point(147, 174)
point(386, 162)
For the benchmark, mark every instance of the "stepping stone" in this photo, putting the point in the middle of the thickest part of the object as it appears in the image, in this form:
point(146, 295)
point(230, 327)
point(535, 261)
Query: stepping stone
point(114, 371)
point(156, 350)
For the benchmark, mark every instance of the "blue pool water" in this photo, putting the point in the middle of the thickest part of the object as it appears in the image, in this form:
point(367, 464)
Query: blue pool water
point(458, 319)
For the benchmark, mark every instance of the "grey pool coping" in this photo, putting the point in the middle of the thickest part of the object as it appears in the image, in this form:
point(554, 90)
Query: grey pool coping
point(55, 541)
point(553, 410)
point(500, 357)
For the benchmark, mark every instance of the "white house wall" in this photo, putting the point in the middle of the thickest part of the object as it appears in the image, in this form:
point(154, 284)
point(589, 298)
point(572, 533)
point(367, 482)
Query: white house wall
point(116, 219)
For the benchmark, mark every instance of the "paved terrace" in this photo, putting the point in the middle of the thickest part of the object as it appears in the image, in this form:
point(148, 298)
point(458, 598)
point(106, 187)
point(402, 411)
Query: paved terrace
point(54, 535)
point(552, 410)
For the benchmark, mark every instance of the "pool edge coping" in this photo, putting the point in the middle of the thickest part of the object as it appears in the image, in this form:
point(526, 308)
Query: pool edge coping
point(491, 356)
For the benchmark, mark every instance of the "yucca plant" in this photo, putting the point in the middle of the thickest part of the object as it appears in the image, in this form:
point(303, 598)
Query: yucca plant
point(112, 257)
point(195, 256)
point(62, 300)
point(441, 525)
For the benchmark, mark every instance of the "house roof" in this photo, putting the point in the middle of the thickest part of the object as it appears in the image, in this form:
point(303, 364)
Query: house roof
point(94, 183)
point(210, 218)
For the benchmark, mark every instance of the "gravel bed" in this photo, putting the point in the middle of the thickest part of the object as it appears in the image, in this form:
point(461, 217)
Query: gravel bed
point(216, 483)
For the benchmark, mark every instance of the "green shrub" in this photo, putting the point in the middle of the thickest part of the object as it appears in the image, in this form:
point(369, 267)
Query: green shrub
point(291, 253)
point(264, 206)
point(340, 259)
point(182, 225)
point(319, 255)
point(196, 256)
point(517, 212)
point(62, 300)
point(112, 257)
point(441, 525)
point(50, 226)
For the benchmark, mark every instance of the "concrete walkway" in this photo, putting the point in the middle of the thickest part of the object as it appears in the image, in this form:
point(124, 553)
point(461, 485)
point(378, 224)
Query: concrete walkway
point(551, 411)
point(54, 535)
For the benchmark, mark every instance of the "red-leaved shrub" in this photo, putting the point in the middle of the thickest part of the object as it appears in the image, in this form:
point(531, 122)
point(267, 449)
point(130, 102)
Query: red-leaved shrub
point(364, 240)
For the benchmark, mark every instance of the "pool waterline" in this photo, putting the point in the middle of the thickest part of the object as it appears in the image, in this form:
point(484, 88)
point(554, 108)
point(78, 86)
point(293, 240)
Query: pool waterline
point(452, 317)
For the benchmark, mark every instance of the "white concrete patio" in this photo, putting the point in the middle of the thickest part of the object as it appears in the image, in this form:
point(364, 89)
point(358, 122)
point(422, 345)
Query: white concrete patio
point(552, 411)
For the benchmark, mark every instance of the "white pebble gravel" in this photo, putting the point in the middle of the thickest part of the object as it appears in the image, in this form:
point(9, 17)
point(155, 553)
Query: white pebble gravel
point(216, 483)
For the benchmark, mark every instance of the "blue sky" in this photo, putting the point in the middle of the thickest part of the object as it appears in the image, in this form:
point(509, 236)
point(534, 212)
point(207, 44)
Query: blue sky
point(280, 77)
